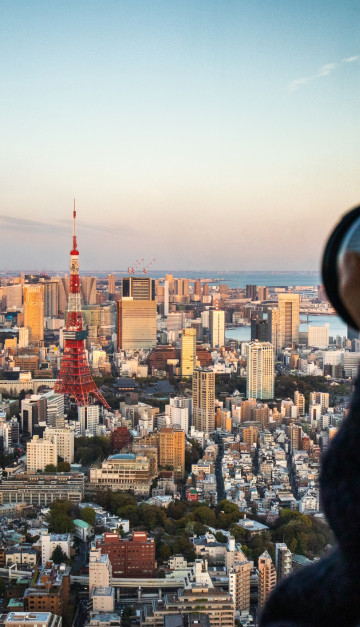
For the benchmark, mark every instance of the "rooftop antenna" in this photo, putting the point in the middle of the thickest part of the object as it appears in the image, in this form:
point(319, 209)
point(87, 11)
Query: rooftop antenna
point(74, 231)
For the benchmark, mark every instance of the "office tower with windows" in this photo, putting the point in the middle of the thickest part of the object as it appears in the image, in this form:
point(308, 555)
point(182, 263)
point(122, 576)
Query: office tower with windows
point(217, 328)
point(203, 394)
point(289, 307)
point(260, 374)
point(188, 352)
point(34, 311)
point(267, 577)
point(111, 283)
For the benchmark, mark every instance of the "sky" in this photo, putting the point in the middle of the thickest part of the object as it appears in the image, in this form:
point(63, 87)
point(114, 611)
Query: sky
point(214, 135)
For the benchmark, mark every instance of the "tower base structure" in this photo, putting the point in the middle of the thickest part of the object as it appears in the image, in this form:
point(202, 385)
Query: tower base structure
point(75, 378)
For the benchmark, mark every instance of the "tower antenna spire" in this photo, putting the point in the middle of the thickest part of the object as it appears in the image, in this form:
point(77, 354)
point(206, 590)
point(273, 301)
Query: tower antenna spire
point(74, 231)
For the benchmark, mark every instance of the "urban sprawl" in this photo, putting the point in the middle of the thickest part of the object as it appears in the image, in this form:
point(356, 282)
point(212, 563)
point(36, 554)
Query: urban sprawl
point(156, 472)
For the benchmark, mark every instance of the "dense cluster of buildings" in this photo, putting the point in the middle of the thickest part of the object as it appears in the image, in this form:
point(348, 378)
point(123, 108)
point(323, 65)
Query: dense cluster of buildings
point(188, 415)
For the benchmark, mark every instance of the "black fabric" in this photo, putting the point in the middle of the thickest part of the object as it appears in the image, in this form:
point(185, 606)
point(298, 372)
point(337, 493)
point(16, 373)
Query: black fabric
point(328, 592)
point(329, 264)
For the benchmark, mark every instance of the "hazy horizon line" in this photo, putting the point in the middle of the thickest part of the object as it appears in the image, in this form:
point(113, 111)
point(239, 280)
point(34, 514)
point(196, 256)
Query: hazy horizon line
point(112, 271)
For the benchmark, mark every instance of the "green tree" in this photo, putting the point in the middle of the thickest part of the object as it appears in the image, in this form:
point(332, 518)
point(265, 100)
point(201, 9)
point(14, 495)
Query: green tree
point(50, 468)
point(60, 522)
point(63, 467)
point(88, 515)
point(293, 545)
point(176, 510)
point(220, 537)
point(58, 556)
point(164, 551)
point(205, 515)
point(60, 517)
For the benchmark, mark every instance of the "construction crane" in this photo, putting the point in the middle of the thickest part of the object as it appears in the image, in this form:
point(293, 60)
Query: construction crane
point(132, 268)
point(148, 266)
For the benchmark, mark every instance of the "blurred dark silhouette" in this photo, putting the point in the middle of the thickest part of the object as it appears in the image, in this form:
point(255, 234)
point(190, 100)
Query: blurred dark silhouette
point(328, 592)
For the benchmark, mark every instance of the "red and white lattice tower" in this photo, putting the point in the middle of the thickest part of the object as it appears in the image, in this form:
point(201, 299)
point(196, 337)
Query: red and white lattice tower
point(75, 378)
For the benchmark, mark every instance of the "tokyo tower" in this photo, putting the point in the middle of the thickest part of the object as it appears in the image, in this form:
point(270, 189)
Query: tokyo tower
point(74, 378)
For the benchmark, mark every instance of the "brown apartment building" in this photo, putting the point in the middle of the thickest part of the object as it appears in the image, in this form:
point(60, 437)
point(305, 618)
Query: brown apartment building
point(50, 591)
point(130, 557)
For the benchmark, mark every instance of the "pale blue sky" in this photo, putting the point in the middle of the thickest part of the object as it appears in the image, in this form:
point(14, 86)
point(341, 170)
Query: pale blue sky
point(210, 135)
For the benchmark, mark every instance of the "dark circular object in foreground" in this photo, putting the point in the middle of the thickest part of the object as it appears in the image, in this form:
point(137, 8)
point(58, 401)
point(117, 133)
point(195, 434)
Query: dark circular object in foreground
point(329, 269)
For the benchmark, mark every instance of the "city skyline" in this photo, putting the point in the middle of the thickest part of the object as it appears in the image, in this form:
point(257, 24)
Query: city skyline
point(168, 122)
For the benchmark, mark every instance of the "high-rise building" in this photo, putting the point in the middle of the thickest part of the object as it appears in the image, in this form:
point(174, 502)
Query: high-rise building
point(262, 292)
point(33, 411)
point(179, 411)
point(166, 298)
point(318, 336)
point(267, 577)
point(203, 395)
point(274, 329)
point(88, 290)
point(111, 283)
point(64, 282)
point(259, 330)
point(289, 307)
point(51, 298)
point(100, 570)
point(172, 450)
point(23, 337)
point(132, 557)
point(250, 435)
point(137, 326)
point(14, 296)
point(261, 413)
point(138, 288)
point(197, 288)
point(89, 418)
point(283, 560)
point(217, 328)
point(181, 287)
point(295, 438)
point(239, 585)
point(250, 292)
point(34, 311)
point(246, 408)
point(170, 280)
point(188, 352)
point(322, 298)
point(260, 374)
point(320, 398)
point(299, 400)
point(64, 440)
point(216, 604)
point(40, 453)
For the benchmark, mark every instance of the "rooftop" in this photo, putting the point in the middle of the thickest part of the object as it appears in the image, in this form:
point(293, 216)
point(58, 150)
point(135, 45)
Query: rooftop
point(123, 456)
point(81, 523)
point(30, 617)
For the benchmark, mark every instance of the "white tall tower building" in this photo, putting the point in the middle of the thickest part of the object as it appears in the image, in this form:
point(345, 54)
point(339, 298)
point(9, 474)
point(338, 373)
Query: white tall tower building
point(188, 352)
point(89, 418)
point(260, 371)
point(166, 298)
point(217, 328)
point(100, 571)
point(40, 453)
